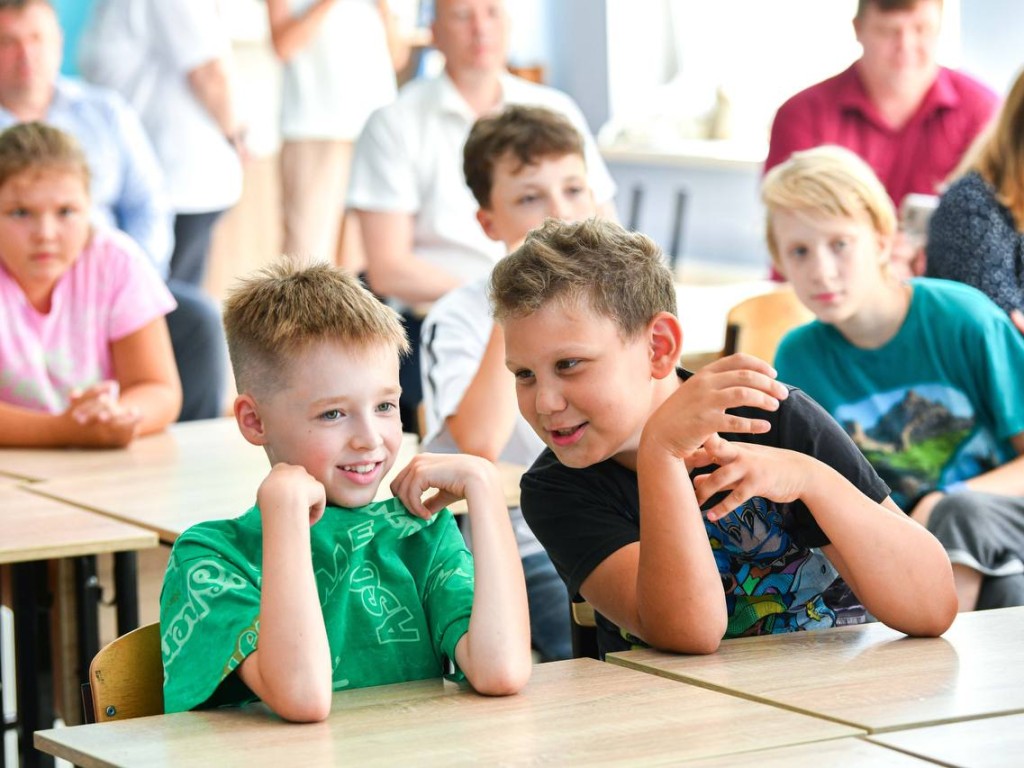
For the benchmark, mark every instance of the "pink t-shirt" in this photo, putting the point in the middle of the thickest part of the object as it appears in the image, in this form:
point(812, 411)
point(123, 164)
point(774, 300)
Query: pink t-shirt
point(110, 292)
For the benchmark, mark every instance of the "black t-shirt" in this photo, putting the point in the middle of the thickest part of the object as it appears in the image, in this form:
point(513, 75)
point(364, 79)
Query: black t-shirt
point(775, 579)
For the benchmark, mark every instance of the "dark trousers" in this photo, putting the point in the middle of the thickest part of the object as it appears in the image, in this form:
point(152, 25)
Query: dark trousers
point(199, 351)
point(192, 235)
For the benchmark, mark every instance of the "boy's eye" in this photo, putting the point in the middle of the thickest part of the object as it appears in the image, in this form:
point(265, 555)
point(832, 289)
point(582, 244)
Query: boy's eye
point(523, 374)
point(566, 365)
point(575, 191)
point(528, 199)
point(18, 213)
point(332, 415)
point(386, 407)
point(798, 251)
point(67, 210)
point(840, 244)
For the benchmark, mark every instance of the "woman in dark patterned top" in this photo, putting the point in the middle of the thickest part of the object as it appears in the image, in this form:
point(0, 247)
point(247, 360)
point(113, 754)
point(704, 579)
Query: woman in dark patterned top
point(976, 234)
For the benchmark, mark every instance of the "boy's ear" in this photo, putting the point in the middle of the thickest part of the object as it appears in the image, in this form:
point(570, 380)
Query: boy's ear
point(486, 219)
point(666, 344)
point(247, 417)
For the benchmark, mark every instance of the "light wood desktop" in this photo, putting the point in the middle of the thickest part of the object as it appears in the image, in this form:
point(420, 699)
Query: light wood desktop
point(868, 676)
point(215, 444)
point(37, 528)
point(851, 751)
point(990, 742)
point(572, 712)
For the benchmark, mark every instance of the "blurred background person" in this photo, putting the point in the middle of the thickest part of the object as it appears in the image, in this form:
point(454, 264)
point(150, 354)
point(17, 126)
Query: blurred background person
point(126, 186)
point(170, 60)
point(976, 234)
point(339, 61)
point(908, 117)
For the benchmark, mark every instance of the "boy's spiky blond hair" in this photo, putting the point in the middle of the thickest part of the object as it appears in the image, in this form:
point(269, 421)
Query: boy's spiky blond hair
point(287, 306)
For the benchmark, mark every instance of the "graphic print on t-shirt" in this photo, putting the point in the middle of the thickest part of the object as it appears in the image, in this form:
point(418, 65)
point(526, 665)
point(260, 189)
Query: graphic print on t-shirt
point(920, 438)
point(771, 583)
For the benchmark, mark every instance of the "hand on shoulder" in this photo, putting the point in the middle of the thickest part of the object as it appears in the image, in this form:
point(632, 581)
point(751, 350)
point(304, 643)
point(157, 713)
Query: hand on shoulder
point(454, 475)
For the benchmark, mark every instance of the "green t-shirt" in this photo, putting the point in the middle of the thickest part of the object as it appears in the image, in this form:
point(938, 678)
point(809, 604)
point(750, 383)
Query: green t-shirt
point(396, 593)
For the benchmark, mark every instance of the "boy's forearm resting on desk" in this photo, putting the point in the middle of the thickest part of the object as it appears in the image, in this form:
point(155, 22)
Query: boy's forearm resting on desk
point(899, 570)
point(291, 671)
point(495, 651)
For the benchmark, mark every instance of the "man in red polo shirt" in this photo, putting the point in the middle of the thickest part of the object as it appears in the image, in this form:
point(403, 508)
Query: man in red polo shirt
point(909, 118)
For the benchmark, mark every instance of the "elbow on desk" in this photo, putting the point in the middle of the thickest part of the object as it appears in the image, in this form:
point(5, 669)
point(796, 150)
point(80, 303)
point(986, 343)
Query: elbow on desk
point(696, 640)
point(303, 710)
point(501, 679)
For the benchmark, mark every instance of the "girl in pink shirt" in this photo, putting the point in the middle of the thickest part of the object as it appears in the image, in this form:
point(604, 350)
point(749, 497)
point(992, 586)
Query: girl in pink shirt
point(85, 356)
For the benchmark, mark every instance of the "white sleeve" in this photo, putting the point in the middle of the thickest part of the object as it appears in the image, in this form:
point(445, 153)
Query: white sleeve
point(383, 177)
point(190, 32)
point(453, 340)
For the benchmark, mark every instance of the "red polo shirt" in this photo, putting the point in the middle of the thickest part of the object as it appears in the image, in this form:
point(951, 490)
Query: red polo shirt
point(915, 158)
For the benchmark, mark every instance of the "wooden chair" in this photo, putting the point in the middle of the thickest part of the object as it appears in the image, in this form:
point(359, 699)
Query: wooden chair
point(757, 325)
point(584, 630)
point(126, 678)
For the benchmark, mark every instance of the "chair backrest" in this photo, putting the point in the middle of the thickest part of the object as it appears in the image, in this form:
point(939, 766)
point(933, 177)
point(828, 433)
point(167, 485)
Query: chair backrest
point(126, 678)
point(584, 630)
point(757, 325)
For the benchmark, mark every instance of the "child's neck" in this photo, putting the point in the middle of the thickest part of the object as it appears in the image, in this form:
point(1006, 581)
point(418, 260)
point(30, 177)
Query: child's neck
point(875, 326)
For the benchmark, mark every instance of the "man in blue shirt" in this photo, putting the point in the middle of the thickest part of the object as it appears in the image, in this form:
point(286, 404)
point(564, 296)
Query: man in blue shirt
point(127, 184)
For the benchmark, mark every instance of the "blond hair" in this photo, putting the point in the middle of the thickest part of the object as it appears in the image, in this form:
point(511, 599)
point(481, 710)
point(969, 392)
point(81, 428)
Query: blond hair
point(829, 181)
point(997, 155)
point(619, 274)
point(286, 307)
point(36, 146)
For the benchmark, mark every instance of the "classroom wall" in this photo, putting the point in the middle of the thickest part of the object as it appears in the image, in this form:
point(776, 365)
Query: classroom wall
point(73, 15)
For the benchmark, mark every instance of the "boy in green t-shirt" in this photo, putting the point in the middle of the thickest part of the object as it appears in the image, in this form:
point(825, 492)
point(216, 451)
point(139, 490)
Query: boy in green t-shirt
point(318, 588)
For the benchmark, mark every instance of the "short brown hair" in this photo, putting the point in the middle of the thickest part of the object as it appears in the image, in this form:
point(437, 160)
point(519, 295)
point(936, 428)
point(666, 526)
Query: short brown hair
point(619, 274)
point(37, 146)
point(527, 134)
point(886, 6)
point(287, 306)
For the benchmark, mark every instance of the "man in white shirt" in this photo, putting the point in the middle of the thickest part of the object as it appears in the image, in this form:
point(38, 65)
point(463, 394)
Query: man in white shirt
point(168, 58)
point(418, 220)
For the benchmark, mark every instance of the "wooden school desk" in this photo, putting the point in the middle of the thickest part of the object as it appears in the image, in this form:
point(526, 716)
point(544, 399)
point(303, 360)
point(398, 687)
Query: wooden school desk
point(990, 742)
point(868, 676)
point(851, 751)
point(571, 712)
point(34, 529)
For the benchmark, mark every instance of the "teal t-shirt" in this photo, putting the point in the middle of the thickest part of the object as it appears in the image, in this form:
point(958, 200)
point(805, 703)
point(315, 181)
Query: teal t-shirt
point(936, 404)
point(396, 593)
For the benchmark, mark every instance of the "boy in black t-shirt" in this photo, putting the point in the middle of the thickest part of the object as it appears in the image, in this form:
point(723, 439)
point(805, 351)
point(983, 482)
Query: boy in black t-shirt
point(794, 515)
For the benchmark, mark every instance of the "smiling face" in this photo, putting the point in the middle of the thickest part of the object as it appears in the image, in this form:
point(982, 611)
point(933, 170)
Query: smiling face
point(834, 263)
point(900, 45)
point(336, 414)
point(585, 390)
point(523, 196)
point(44, 226)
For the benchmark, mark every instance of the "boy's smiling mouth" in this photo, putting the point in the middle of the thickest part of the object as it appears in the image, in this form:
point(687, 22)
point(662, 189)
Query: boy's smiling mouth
point(362, 473)
point(568, 435)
